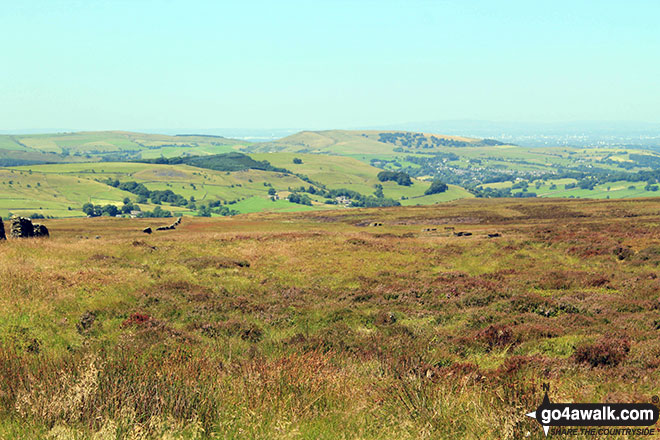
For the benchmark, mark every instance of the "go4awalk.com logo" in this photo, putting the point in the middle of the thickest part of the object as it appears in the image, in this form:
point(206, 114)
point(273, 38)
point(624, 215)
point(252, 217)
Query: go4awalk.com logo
point(596, 418)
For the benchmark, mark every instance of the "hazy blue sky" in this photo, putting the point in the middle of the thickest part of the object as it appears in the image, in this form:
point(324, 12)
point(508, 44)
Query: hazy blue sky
point(320, 64)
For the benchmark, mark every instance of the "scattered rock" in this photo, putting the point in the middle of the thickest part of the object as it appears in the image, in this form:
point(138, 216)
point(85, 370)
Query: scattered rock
point(147, 230)
point(376, 224)
point(496, 234)
point(462, 234)
point(176, 223)
point(429, 229)
point(97, 237)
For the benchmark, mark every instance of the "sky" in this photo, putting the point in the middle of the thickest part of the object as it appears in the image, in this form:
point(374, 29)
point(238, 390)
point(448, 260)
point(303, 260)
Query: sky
point(172, 65)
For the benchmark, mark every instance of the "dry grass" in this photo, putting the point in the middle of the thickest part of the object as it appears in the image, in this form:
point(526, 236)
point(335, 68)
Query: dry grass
point(312, 326)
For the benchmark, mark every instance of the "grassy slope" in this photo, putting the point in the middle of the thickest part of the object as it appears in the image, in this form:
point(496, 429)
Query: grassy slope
point(334, 330)
point(76, 185)
point(102, 142)
point(25, 193)
point(364, 146)
point(617, 190)
point(63, 185)
point(345, 172)
point(343, 142)
point(346, 168)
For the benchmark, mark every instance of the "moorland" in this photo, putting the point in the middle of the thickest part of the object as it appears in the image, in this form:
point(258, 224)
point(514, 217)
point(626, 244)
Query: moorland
point(318, 325)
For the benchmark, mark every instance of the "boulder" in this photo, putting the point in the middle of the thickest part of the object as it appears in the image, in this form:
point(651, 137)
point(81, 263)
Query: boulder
point(40, 231)
point(147, 230)
point(21, 227)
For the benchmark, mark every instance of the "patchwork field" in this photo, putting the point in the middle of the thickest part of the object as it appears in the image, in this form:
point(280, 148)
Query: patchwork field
point(60, 190)
point(52, 189)
point(334, 159)
point(316, 325)
point(99, 143)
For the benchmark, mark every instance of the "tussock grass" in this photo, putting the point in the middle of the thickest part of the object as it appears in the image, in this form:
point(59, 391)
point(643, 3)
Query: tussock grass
point(313, 326)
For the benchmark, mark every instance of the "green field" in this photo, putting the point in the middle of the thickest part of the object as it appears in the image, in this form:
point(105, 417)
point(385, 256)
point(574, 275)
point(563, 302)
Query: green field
point(94, 146)
point(556, 188)
point(332, 159)
point(337, 172)
point(52, 189)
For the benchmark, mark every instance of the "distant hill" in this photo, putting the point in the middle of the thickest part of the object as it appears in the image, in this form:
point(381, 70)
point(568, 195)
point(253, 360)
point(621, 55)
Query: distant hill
point(106, 145)
point(351, 142)
point(53, 174)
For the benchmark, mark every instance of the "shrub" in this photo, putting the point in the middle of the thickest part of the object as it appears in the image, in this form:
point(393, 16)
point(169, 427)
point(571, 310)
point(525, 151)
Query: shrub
point(436, 187)
point(496, 336)
point(606, 352)
point(397, 176)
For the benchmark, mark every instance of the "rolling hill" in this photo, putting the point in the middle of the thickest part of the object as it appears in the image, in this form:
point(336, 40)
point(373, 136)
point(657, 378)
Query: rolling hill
point(54, 174)
point(60, 190)
point(106, 145)
point(348, 142)
point(52, 189)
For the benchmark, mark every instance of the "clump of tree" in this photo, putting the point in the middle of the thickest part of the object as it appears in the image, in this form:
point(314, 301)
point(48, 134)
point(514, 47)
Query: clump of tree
point(144, 194)
point(157, 212)
point(100, 210)
point(436, 187)
point(129, 206)
point(297, 160)
point(233, 161)
point(360, 200)
point(215, 207)
point(112, 210)
point(396, 176)
point(301, 199)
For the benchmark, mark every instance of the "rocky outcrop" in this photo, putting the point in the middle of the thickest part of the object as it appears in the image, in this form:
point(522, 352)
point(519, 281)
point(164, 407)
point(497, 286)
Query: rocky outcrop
point(2, 230)
point(21, 227)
